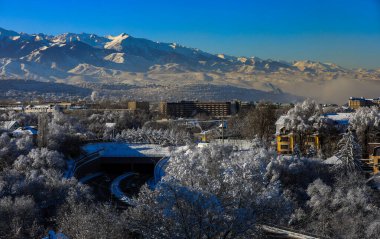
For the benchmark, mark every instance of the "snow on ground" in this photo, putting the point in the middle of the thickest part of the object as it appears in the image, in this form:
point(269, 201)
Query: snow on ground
point(114, 149)
point(332, 160)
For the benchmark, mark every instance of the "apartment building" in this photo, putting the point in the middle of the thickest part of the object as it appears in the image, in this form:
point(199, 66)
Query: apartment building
point(138, 105)
point(356, 103)
point(191, 108)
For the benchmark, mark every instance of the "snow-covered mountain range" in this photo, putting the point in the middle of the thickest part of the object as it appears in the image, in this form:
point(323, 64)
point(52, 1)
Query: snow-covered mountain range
point(77, 58)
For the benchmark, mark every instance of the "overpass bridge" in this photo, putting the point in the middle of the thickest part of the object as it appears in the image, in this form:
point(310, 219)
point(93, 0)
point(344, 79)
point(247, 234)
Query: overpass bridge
point(115, 164)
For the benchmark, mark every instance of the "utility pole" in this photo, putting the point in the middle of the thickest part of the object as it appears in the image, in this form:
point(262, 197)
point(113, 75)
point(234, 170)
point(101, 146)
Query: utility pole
point(42, 130)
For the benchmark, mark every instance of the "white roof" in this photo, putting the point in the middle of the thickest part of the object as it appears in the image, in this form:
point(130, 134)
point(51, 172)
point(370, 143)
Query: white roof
point(28, 130)
point(339, 116)
point(116, 149)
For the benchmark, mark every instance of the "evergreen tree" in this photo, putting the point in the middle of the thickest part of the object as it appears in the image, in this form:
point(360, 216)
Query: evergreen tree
point(349, 152)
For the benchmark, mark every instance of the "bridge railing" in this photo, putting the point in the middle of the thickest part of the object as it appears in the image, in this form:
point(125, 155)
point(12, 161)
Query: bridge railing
point(288, 232)
point(74, 165)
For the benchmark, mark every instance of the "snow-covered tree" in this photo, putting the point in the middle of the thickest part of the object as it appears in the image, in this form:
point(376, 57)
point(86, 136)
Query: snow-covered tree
point(11, 148)
point(295, 174)
point(311, 152)
point(212, 192)
point(63, 133)
point(303, 116)
point(40, 159)
point(153, 136)
point(90, 220)
point(94, 95)
point(344, 209)
point(19, 218)
point(349, 153)
point(302, 119)
point(366, 121)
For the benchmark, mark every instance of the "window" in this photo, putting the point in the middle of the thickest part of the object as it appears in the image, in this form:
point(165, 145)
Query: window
point(310, 139)
point(284, 139)
point(284, 147)
point(376, 151)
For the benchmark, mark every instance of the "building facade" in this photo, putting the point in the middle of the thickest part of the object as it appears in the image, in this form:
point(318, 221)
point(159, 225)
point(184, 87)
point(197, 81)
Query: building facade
point(187, 109)
point(287, 142)
point(356, 103)
point(374, 157)
point(138, 105)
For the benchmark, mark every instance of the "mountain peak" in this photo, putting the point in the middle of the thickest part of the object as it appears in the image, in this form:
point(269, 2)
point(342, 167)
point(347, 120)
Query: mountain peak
point(8, 33)
point(119, 37)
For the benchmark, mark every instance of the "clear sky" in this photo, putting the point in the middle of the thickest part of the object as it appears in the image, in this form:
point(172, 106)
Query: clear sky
point(346, 32)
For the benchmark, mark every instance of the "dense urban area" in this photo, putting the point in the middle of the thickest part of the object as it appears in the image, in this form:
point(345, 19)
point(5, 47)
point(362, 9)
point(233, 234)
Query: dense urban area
point(94, 168)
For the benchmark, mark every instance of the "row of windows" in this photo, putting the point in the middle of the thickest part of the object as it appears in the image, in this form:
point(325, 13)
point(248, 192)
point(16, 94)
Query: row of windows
point(286, 139)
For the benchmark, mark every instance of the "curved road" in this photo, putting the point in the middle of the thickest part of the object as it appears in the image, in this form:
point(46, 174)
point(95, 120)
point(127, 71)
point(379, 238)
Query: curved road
point(116, 190)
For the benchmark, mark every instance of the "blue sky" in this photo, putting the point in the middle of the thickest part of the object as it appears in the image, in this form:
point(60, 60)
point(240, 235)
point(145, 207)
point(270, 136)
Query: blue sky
point(346, 32)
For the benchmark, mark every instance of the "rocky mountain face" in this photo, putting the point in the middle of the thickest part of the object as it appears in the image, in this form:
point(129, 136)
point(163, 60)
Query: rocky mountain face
point(88, 58)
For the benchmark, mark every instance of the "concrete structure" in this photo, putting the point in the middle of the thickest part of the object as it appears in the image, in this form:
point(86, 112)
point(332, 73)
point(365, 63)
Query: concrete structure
point(191, 108)
point(121, 157)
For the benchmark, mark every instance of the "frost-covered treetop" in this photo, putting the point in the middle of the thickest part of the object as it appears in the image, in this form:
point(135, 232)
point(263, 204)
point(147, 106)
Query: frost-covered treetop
point(365, 117)
point(304, 116)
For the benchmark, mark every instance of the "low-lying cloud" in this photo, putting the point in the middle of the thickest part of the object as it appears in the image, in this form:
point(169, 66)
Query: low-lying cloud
point(337, 91)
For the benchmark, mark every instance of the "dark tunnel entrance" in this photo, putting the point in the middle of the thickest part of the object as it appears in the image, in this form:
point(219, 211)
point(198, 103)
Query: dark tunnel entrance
point(106, 169)
point(119, 166)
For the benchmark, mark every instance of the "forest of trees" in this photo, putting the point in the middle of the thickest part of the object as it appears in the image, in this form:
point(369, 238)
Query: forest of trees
point(215, 191)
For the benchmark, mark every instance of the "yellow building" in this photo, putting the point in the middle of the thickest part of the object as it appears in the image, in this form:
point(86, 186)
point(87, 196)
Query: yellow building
point(287, 142)
point(374, 157)
point(356, 103)
point(204, 136)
